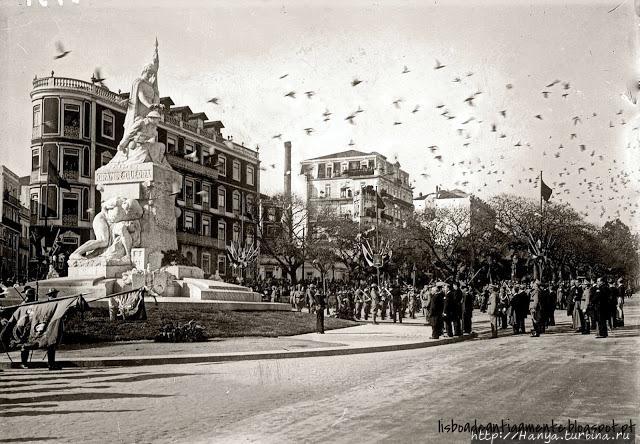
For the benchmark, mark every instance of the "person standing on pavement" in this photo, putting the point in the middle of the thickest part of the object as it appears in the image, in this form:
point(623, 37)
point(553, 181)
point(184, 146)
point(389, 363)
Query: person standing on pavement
point(535, 310)
point(600, 294)
point(436, 308)
point(493, 310)
point(467, 308)
point(25, 352)
point(425, 297)
point(621, 291)
point(320, 305)
point(503, 307)
point(412, 303)
point(519, 306)
point(359, 300)
point(396, 301)
point(385, 295)
point(367, 303)
point(375, 302)
point(51, 350)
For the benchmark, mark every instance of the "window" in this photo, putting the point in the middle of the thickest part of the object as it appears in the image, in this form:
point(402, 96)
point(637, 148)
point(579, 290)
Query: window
point(206, 263)
point(222, 233)
point(250, 236)
point(70, 163)
point(236, 170)
point(51, 115)
point(37, 116)
point(249, 206)
point(86, 127)
point(171, 145)
point(197, 198)
point(236, 202)
point(329, 171)
point(222, 199)
point(189, 190)
point(222, 264)
point(188, 221)
point(84, 210)
point(72, 120)
point(188, 148)
point(34, 204)
point(206, 192)
point(107, 125)
point(86, 162)
point(250, 175)
point(236, 232)
point(50, 208)
point(271, 214)
point(49, 154)
point(344, 166)
point(327, 191)
point(189, 257)
point(321, 171)
point(206, 226)
point(69, 208)
point(35, 159)
point(105, 158)
point(222, 165)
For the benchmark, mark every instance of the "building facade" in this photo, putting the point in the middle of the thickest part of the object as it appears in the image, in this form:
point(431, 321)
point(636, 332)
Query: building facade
point(345, 183)
point(77, 126)
point(14, 236)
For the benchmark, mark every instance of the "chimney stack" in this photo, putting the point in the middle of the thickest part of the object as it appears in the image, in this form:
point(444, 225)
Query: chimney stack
point(287, 169)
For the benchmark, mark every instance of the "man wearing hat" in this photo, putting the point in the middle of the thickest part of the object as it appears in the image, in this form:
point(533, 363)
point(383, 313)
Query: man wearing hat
point(535, 310)
point(436, 308)
point(396, 301)
point(52, 294)
point(467, 308)
point(30, 294)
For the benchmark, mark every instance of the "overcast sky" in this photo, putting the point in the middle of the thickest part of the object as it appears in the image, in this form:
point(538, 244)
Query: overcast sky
point(238, 51)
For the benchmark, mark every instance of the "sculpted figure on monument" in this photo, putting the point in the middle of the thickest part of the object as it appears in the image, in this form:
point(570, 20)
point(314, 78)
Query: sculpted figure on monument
point(139, 143)
point(117, 230)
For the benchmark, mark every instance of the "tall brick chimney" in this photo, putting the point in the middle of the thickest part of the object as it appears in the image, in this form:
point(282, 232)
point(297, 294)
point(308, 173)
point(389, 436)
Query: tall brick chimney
point(287, 169)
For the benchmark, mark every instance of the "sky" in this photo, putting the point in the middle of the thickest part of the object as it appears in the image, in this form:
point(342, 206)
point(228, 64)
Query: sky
point(505, 54)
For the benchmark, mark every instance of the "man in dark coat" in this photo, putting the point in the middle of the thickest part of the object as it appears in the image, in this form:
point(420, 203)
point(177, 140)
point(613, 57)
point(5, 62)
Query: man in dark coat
point(396, 301)
point(320, 305)
point(467, 308)
point(519, 306)
point(600, 294)
point(436, 308)
point(535, 310)
point(449, 310)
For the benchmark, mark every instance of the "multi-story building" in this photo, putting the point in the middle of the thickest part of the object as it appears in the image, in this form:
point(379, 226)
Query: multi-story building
point(14, 240)
point(346, 184)
point(77, 126)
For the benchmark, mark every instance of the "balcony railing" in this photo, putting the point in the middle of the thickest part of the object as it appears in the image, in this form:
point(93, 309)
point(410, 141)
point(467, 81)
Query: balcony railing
point(72, 131)
point(70, 220)
point(9, 198)
point(177, 161)
point(70, 175)
point(196, 239)
point(358, 173)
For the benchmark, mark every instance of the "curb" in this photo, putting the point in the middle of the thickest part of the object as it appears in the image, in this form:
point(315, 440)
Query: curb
point(130, 361)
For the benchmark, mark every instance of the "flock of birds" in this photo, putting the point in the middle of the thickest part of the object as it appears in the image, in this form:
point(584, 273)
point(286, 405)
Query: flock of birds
point(614, 180)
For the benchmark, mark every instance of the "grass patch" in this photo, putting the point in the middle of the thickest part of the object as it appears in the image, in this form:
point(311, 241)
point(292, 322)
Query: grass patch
point(96, 326)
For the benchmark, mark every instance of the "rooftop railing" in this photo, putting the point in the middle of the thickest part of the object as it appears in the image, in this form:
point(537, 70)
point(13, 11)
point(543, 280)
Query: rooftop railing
point(119, 102)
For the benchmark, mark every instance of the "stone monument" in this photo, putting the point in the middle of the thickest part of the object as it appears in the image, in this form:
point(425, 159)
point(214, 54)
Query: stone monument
point(137, 220)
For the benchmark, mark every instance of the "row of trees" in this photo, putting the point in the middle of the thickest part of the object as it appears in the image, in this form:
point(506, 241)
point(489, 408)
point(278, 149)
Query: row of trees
point(508, 236)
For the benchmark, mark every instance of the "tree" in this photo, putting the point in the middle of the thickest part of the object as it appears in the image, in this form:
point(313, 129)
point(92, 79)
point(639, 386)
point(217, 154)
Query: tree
point(290, 240)
point(619, 249)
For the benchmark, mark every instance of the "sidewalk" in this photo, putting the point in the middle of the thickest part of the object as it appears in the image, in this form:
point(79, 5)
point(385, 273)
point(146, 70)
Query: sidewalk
point(363, 338)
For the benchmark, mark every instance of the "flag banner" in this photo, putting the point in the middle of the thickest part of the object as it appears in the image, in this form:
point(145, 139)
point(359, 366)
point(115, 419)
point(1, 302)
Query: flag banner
point(129, 306)
point(54, 178)
point(37, 325)
point(379, 203)
point(545, 190)
point(366, 252)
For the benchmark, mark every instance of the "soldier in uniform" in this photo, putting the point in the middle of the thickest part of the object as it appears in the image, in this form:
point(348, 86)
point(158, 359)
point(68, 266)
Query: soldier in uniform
point(375, 302)
point(436, 308)
point(367, 302)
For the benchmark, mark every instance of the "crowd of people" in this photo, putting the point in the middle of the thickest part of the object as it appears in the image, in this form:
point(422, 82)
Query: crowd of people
point(447, 306)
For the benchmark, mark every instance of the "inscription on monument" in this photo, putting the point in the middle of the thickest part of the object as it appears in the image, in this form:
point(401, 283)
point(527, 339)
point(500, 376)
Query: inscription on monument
point(139, 174)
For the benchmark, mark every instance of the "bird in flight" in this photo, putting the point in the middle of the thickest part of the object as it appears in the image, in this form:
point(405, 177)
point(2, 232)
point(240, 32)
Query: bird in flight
point(564, 96)
point(493, 128)
point(277, 136)
point(61, 51)
point(545, 94)
point(439, 65)
point(573, 136)
point(359, 110)
point(416, 109)
point(397, 102)
point(283, 76)
point(555, 82)
point(351, 142)
point(503, 113)
point(397, 123)
point(308, 131)
point(433, 148)
point(214, 100)
point(457, 80)
point(576, 120)
point(355, 82)
point(538, 116)
point(97, 77)
point(291, 94)
point(405, 70)
point(191, 156)
point(509, 86)
point(469, 100)
point(310, 94)
point(350, 118)
point(470, 119)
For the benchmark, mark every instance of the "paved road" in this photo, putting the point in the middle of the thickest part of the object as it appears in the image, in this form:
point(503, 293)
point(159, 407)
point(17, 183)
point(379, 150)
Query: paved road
point(380, 397)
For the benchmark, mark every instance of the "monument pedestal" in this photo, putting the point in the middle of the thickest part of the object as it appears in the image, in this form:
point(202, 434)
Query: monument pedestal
point(153, 186)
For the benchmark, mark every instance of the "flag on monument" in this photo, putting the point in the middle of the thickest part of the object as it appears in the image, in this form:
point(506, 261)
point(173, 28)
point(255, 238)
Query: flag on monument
point(129, 306)
point(54, 178)
point(379, 203)
point(545, 190)
point(37, 325)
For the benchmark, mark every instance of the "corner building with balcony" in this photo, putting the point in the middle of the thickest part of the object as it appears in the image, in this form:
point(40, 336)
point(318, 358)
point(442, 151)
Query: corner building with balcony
point(346, 182)
point(77, 126)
